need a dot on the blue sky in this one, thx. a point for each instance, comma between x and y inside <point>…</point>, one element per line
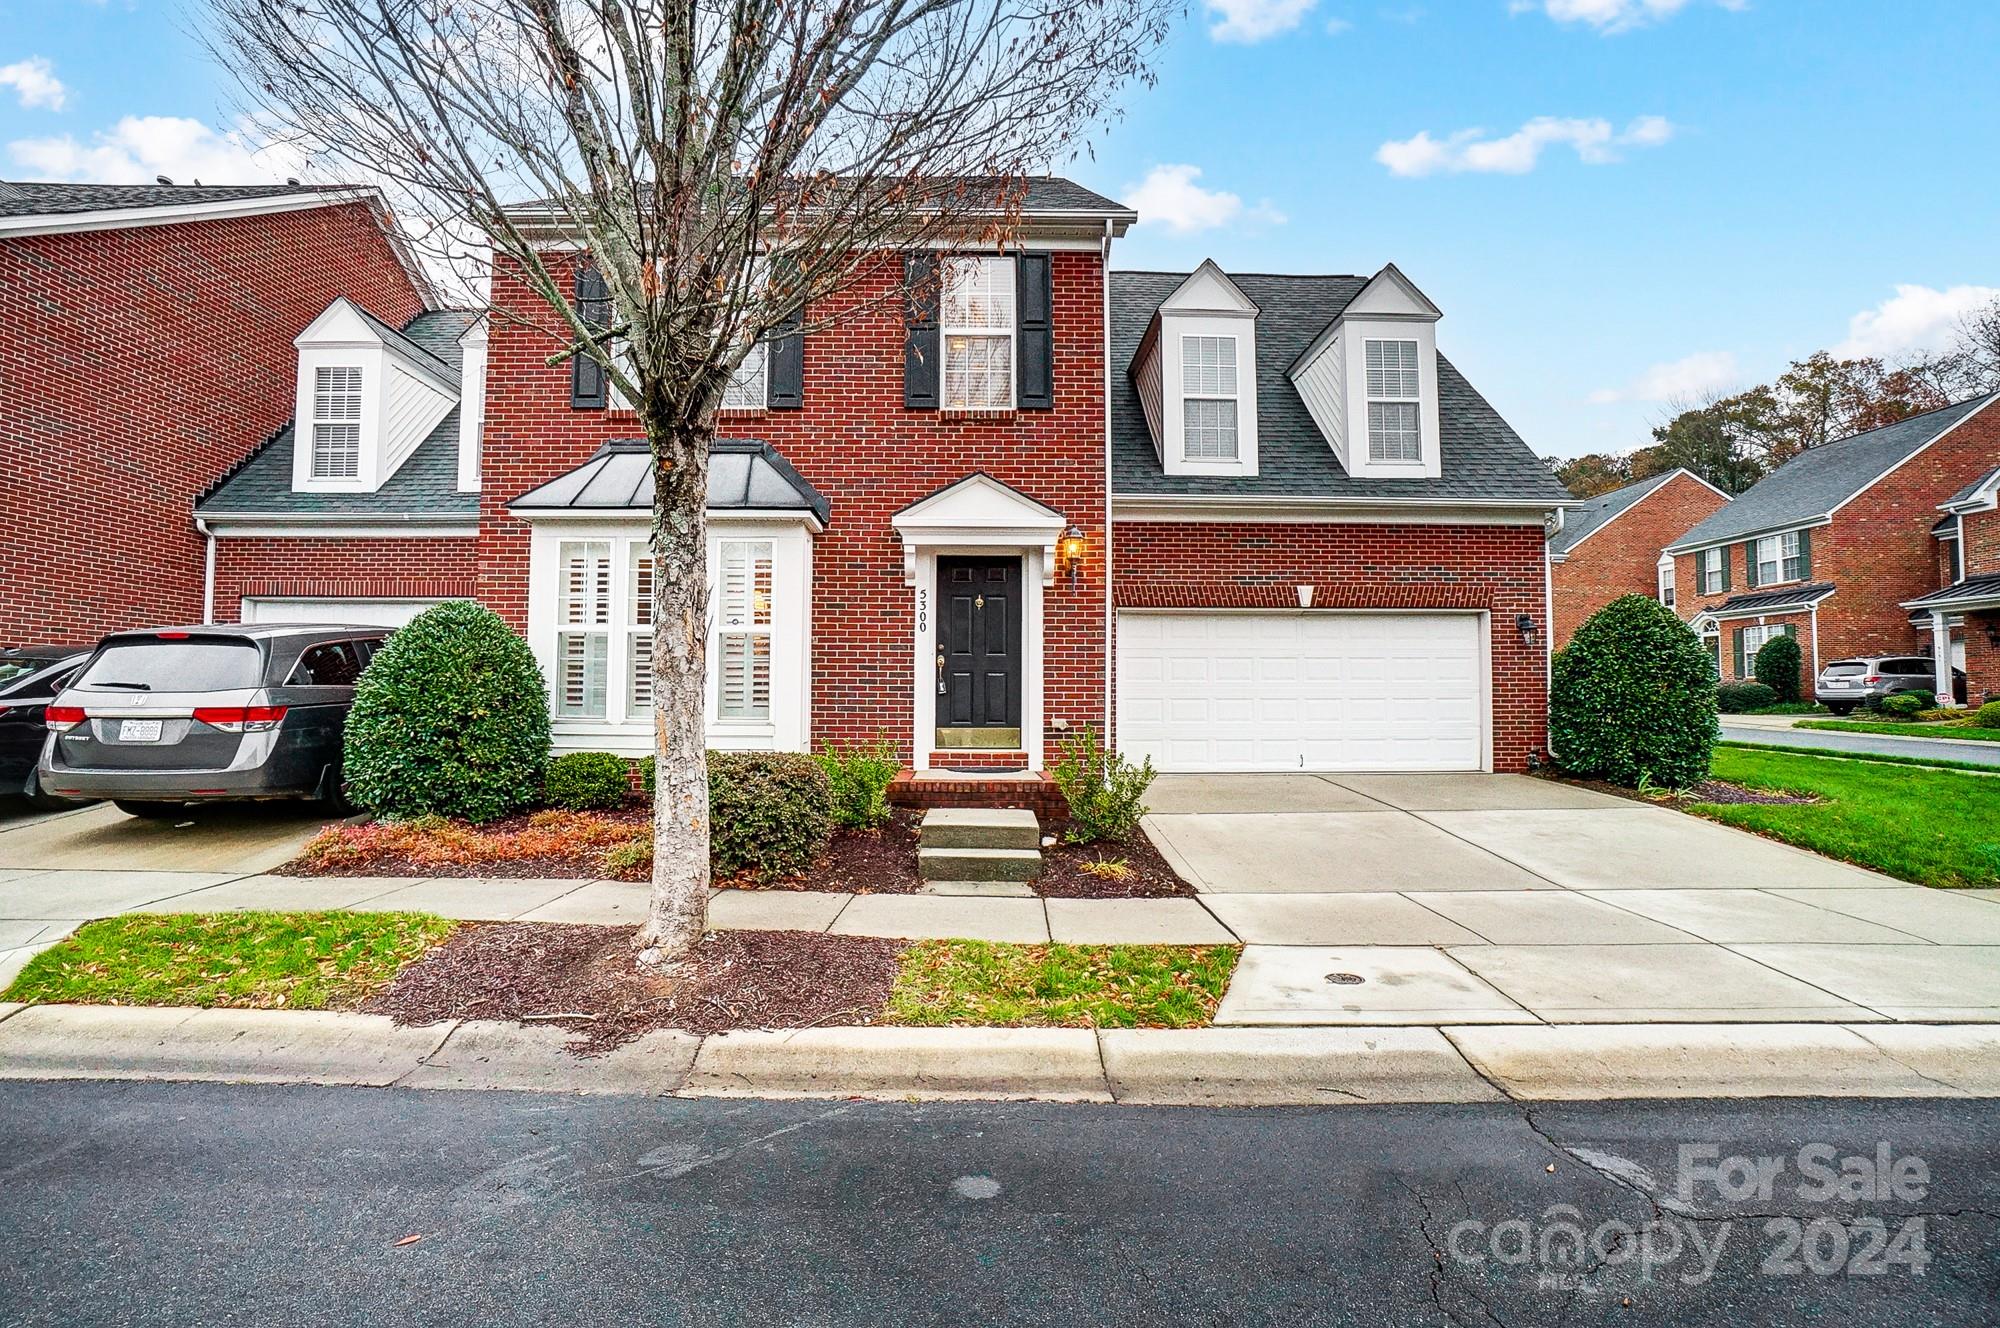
<point>1615,202</point>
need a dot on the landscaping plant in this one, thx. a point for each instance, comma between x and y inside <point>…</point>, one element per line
<point>1742,698</point>
<point>1987,716</point>
<point>588,781</point>
<point>1907,705</point>
<point>1777,666</point>
<point>451,718</point>
<point>1632,697</point>
<point>858,778</point>
<point>1106,793</point>
<point>770,813</point>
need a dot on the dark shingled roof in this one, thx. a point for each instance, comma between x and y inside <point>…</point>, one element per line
<point>426,484</point>
<point>1966,493</point>
<point>1983,587</point>
<point>1816,481</point>
<point>24,199</point>
<point>1483,456</point>
<point>1763,601</point>
<point>744,475</point>
<point>1581,521</point>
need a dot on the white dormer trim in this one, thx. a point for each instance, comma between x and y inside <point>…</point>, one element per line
<point>978,512</point>
<point>403,397</point>
<point>1207,304</point>
<point>471,403</point>
<point>1331,376</point>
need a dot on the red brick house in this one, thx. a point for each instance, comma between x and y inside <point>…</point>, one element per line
<point>145,334</point>
<point>1611,545</point>
<point>1250,524</point>
<point>1831,546</point>
<point>1966,603</point>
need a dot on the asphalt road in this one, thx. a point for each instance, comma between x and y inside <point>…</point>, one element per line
<point>155,1203</point>
<point>1885,744</point>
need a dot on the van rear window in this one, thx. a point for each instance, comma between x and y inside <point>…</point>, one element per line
<point>174,666</point>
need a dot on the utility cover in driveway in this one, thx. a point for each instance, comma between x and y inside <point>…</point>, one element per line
<point>1301,691</point>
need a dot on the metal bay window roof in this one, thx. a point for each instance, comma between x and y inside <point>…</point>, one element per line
<point>744,475</point>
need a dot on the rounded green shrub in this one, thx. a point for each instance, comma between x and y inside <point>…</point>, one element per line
<point>1987,716</point>
<point>451,718</point>
<point>1632,698</point>
<point>1906,705</point>
<point>587,781</point>
<point>646,775</point>
<point>1740,698</point>
<point>1777,666</point>
<point>770,814</point>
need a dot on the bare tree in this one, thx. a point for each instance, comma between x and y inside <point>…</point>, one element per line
<point>728,165</point>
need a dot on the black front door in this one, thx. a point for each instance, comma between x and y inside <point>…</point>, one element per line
<point>979,651</point>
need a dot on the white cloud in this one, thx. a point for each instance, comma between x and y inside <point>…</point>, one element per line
<point>1914,318</point>
<point>140,147</point>
<point>1170,196</point>
<point>34,81</point>
<point>1249,21</point>
<point>1594,141</point>
<point>1609,16</point>
<point>1687,378</point>
<point>1336,26</point>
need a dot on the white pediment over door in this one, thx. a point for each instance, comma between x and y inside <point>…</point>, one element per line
<point>978,512</point>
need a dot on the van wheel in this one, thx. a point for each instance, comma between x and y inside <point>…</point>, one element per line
<point>151,811</point>
<point>331,795</point>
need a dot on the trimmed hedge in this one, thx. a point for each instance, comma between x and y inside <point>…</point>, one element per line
<point>1907,705</point>
<point>1777,666</point>
<point>1632,698</point>
<point>451,718</point>
<point>1740,698</point>
<point>1987,716</point>
<point>770,814</point>
<point>588,781</point>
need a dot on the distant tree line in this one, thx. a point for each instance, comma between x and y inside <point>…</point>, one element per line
<point>1733,441</point>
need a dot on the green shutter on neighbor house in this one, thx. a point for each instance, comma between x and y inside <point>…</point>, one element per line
<point>1750,564</point>
<point>1724,551</point>
<point>1737,638</point>
<point>1805,555</point>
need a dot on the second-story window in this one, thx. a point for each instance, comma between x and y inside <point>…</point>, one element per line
<point>976,316</point>
<point>1667,584</point>
<point>748,388</point>
<point>1394,431</point>
<point>336,422</point>
<point>1709,563</point>
<point>1779,558</point>
<point>1208,398</point>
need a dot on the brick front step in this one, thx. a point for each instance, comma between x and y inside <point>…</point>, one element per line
<point>980,827</point>
<point>936,788</point>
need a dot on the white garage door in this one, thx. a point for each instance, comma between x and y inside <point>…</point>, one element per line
<point>1302,691</point>
<point>366,612</point>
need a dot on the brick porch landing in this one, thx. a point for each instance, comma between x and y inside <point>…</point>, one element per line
<point>1002,788</point>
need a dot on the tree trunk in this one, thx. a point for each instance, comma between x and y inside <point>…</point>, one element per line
<point>677,913</point>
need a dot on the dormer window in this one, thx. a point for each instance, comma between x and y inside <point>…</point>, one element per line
<point>1208,398</point>
<point>336,422</point>
<point>977,326</point>
<point>1395,431</point>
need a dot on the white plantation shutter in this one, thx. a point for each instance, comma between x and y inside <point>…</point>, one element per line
<point>583,601</point>
<point>336,422</point>
<point>639,646</point>
<point>641,658</point>
<point>581,667</point>
<point>743,642</point>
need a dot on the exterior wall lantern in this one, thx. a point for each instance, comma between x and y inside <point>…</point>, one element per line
<point>1069,551</point>
<point>1525,624</point>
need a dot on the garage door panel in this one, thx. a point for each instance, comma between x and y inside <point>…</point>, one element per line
<point>1313,691</point>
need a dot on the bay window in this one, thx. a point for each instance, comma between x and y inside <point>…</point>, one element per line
<point>976,326</point>
<point>1394,428</point>
<point>583,628</point>
<point>1208,398</point>
<point>639,614</point>
<point>742,645</point>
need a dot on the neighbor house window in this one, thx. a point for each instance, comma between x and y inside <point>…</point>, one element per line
<point>1393,430</point>
<point>336,422</point>
<point>743,631</point>
<point>638,616</point>
<point>1711,565</point>
<point>1667,584</point>
<point>1779,558</point>
<point>1208,398</point>
<point>1956,559</point>
<point>976,324</point>
<point>747,386</point>
<point>583,628</point>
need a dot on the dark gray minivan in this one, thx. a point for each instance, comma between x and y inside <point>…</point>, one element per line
<point>160,719</point>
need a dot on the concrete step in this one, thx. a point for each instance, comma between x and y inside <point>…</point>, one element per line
<point>980,827</point>
<point>979,864</point>
<point>983,889</point>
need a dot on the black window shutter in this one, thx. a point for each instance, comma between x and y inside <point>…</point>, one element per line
<point>587,385</point>
<point>786,384</point>
<point>1738,636</point>
<point>1034,335</point>
<point>920,333</point>
<point>1805,555</point>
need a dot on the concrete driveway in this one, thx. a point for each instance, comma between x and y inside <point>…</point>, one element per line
<point>1506,899</point>
<point>237,839</point>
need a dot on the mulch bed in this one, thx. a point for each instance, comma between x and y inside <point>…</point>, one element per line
<point>1709,790</point>
<point>583,979</point>
<point>585,861</point>
<point>863,862</point>
<point>1147,875</point>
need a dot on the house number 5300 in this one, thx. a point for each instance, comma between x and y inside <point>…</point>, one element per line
<point>923,610</point>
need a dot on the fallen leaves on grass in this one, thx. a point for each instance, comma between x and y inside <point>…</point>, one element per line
<point>1063,986</point>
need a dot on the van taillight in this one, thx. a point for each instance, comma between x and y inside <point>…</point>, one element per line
<point>240,719</point>
<point>61,719</point>
<point>1872,679</point>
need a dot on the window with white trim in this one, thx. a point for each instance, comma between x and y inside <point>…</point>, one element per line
<point>976,328</point>
<point>583,628</point>
<point>1208,398</point>
<point>638,616</point>
<point>336,422</point>
<point>1778,558</point>
<point>1709,562</point>
<point>1667,584</point>
<point>1395,431</point>
<point>743,631</point>
<point>749,386</point>
<point>1756,635</point>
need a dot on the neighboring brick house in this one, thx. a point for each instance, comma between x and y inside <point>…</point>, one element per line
<point>910,517</point>
<point>1829,546</point>
<point>1968,594</point>
<point>1611,545</point>
<point>146,345</point>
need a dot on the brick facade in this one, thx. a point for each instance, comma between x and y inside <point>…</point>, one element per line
<point>1623,556</point>
<point>1198,565</point>
<point>136,365</point>
<point>294,568</point>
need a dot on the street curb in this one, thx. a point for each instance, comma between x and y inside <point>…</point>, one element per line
<point>1216,1067</point>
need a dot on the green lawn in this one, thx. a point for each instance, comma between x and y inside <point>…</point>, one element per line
<point>1903,729</point>
<point>1934,827</point>
<point>251,961</point>
<point>1069,986</point>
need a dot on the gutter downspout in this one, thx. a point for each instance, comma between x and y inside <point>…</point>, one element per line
<point>1815,644</point>
<point>207,573</point>
<point>1110,609</point>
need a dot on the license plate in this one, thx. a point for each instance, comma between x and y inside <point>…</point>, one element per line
<point>139,730</point>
